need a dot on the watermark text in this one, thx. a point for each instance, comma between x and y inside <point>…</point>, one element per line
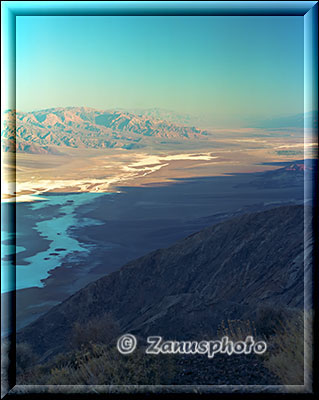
<point>157,345</point>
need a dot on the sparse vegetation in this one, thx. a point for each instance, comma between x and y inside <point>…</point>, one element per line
<point>286,360</point>
<point>98,364</point>
<point>269,319</point>
<point>284,334</point>
<point>25,358</point>
<point>101,365</point>
<point>99,330</point>
<point>237,329</point>
<point>94,360</point>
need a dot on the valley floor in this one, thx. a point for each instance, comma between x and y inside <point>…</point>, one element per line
<point>141,219</point>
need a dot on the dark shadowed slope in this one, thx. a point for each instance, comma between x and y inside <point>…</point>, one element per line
<point>226,271</point>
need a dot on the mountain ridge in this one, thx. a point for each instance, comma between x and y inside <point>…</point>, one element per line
<point>225,271</point>
<point>84,127</point>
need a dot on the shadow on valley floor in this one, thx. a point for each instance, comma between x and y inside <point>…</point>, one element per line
<point>141,219</point>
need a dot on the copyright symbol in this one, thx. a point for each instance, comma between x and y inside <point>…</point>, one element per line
<point>126,344</point>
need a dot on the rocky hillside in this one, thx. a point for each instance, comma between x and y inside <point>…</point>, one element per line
<point>227,271</point>
<point>292,174</point>
<point>82,127</point>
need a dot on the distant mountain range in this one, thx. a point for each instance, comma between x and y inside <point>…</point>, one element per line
<point>166,115</point>
<point>302,120</point>
<point>51,130</point>
<point>230,270</point>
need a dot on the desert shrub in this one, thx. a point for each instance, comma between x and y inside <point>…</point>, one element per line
<point>287,360</point>
<point>93,359</point>
<point>36,375</point>
<point>265,322</point>
<point>236,329</point>
<point>104,365</point>
<point>268,320</point>
<point>39,374</point>
<point>101,330</point>
<point>25,358</point>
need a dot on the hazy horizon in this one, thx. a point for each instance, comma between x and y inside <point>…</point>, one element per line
<point>224,70</point>
<point>286,121</point>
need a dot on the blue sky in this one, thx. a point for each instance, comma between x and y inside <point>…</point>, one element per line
<point>228,70</point>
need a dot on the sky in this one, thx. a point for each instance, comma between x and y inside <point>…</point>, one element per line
<point>228,70</point>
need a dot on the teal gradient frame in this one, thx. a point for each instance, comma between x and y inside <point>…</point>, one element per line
<point>307,9</point>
